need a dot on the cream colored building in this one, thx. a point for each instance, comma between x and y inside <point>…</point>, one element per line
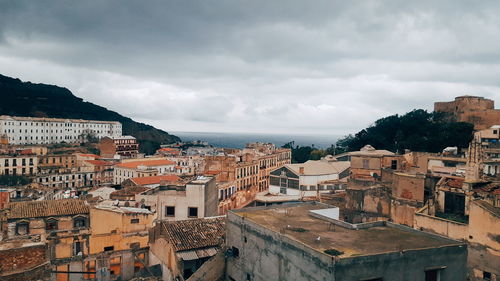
<point>18,164</point>
<point>193,198</point>
<point>307,179</point>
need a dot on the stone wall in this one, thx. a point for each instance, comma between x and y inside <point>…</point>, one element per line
<point>22,259</point>
<point>476,110</point>
<point>211,270</point>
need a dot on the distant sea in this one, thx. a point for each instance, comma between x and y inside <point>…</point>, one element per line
<point>238,140</point>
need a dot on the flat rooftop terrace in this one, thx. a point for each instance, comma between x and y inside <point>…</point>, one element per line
<point>295,222</point>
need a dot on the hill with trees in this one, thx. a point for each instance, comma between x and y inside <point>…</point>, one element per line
<point>40,100</point>
<point>417,130</point>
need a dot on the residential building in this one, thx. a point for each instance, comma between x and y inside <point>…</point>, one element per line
<point>246,170</point>
<point>479,227</point>
<point>19,164</point>
<point>65,180</point>
<point>56,162</point>
<point>102,170</point>
<point>118,242</point>
<point>182,247</point>
<point>56,232</point>
<point>142,168</point>
<point>308,241</point>
<point>310,178</point>
<point>368,162</point>
<point>34,130</point>
<point>119,147</point>
<point>194,197</point>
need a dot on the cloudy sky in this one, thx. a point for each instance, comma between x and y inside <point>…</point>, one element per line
<point>318,67</point>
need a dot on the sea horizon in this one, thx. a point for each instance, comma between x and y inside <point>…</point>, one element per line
<point>238,140</point>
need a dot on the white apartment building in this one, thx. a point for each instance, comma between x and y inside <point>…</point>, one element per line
<point>33,130</point>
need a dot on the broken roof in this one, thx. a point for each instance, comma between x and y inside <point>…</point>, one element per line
<point>194,233</point>
<point>46,208</point>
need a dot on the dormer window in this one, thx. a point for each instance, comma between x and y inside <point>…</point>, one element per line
<point>22,228</point>
<point>79,222</point>
<point>51,224</point>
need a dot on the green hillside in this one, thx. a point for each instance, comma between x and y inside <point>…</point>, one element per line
<point>40,100</point>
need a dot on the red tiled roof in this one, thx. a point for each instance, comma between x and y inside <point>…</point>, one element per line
<point>26,152</point>
<point>148,163</point>
<point>455,183</point>
<point>194,233</point>
<point>155,179</point>
<point>47,208</point>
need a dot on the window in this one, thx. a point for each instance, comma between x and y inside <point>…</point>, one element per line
<point>193,212</point>
<point>51,224</point>
<point>433,275</point>
<point>22,228</point>
<point>487,276</point>
<point>394,164</point>
<point>109,248</point>
<point>366,163</point>
<point>77,248</point>
<point>170,211</point>
<point>79,222</point>
<point>235,252</point>
<point>134,221</point>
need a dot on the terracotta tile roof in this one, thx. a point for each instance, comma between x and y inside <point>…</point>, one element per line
<point>47,208</point>
<point>155,179</point>
<point>147,163</point>
<point>25,152</point>
<point>194,233</point>
<point>455,183</point>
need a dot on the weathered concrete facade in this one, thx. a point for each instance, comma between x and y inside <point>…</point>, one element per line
<point>265,246</point>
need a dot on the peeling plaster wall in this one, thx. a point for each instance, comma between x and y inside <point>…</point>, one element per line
<point>267,255</point>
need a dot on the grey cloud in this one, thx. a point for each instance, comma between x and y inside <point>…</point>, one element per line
<point>261,65</point>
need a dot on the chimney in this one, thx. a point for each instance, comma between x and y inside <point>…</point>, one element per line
<point>301,170</point>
